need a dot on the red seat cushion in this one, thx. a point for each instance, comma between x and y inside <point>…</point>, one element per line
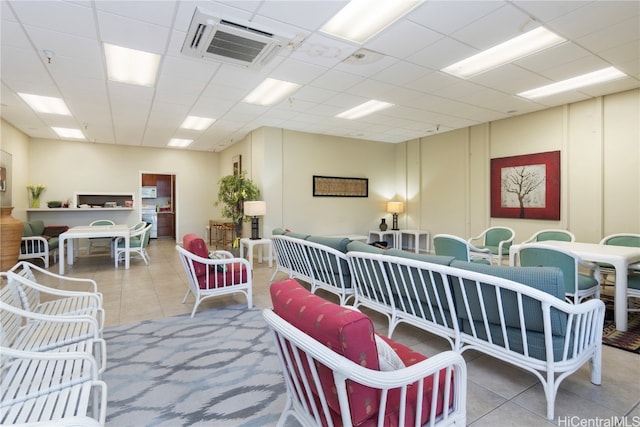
<point>234,273</point>
<point>350,334</point>
<point>195,244</point>
<point>347,332</point>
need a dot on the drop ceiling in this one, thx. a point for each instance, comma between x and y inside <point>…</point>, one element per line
<point>55,48</point>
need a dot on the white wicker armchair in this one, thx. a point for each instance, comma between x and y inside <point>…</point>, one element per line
<point>212,277</point>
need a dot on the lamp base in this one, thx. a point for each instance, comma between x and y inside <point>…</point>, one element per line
<point>394,226</point>
<point>255,235</point>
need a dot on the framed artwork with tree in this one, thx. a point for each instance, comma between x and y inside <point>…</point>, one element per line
<point>526,186</point>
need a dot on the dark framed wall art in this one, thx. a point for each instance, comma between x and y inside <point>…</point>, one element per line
<point>5,178</point>
<point>237,164</point>
<point>334,186</point>
<point>526,186</point>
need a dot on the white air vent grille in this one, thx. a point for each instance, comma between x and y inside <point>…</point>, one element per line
<point>226,41</point>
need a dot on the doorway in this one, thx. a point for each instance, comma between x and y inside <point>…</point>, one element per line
<point>161,199</point>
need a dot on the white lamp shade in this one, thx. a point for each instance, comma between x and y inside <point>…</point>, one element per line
<point>255,208</point>
<point>395,207</point>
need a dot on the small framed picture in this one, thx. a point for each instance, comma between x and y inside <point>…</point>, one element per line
<point>237,164</point>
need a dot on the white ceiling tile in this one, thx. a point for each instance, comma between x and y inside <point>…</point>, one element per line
<point>449,18</point>
<point>57,16</point>
<point>499,26</point>
<point>401,73</point>
<point>310,15</point>
<point>393,42</point>
<point>154,12</point>
<point>299,72</point>
<point>131,33</point>
<point>412,51</point>
<point>441,54</point>
<point>595,16</point>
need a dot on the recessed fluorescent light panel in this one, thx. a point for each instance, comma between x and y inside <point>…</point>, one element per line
<point>69,133</point>
<point>509,51</point>
<point>360,20</point>
<point>271,91</point>
<point>131,66</point>
<point>600,76</point>
<point>365,109</point>
<point>46,104</point>
<point>196,123</point>
<point>176,142</point>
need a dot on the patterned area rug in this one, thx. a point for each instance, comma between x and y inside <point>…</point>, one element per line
<point>630,340</point>
<point>217,369</point>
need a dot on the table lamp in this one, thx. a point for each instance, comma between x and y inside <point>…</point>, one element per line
<point>395,208</point>
<point>255,209</point>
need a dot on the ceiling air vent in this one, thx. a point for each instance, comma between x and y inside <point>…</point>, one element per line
<point>232,42</point>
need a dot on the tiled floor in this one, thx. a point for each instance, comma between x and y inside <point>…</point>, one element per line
<point>498,393</point>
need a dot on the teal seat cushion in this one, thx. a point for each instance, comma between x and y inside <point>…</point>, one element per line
<point>418,292</point>
<point>337,243</point>
<point>494,237</point>
<point>53,243</point>
<point>37,227</point>
<point>326,264</point>
<point>631,241</point>
<point>433,259</point>
<point>546,279</point>
<point>535,340</point>
<point>553,235</point>
<point>296,235</point>
<point>358,246</point>
<point>26,229</point>
<point>278,232</point>
<point>586,282</point>
<point>133,242</point>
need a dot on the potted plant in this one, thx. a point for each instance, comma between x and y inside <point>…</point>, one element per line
<point>234,190</point>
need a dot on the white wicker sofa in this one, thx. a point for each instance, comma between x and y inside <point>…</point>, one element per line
<point>516,314</point>
<point>318,260</point>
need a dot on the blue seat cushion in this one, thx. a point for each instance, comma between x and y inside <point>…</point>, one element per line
<point>535,340</point>
<point>546,279</point>
<point>358,246</point>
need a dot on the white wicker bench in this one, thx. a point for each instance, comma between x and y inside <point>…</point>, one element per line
<point>37,297</point>
<point>49,388</point>
<point>473,308</point>
<point>322,266</point>
<point>50,365</point>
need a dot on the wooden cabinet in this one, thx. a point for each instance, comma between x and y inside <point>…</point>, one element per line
<point>164,184</point>
<point>166,226</point>
<point>149,179</point>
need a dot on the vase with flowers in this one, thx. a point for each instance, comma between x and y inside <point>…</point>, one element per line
<point>35,190</point>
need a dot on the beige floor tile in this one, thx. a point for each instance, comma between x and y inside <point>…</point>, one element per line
<point>498,394</point>
<point>501,378</point>
<point>480,401</point>
<point>510,414</point>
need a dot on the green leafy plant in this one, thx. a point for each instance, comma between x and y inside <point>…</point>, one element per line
<point>233,191</point>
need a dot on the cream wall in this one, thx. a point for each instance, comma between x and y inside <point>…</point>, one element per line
<point>443,178</point>
<point>289,159</point>
<point>66,167</point>
<point>16,143</point>
<point>599,140</point>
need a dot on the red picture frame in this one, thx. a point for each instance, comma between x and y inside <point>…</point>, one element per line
<point>526,186</point>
